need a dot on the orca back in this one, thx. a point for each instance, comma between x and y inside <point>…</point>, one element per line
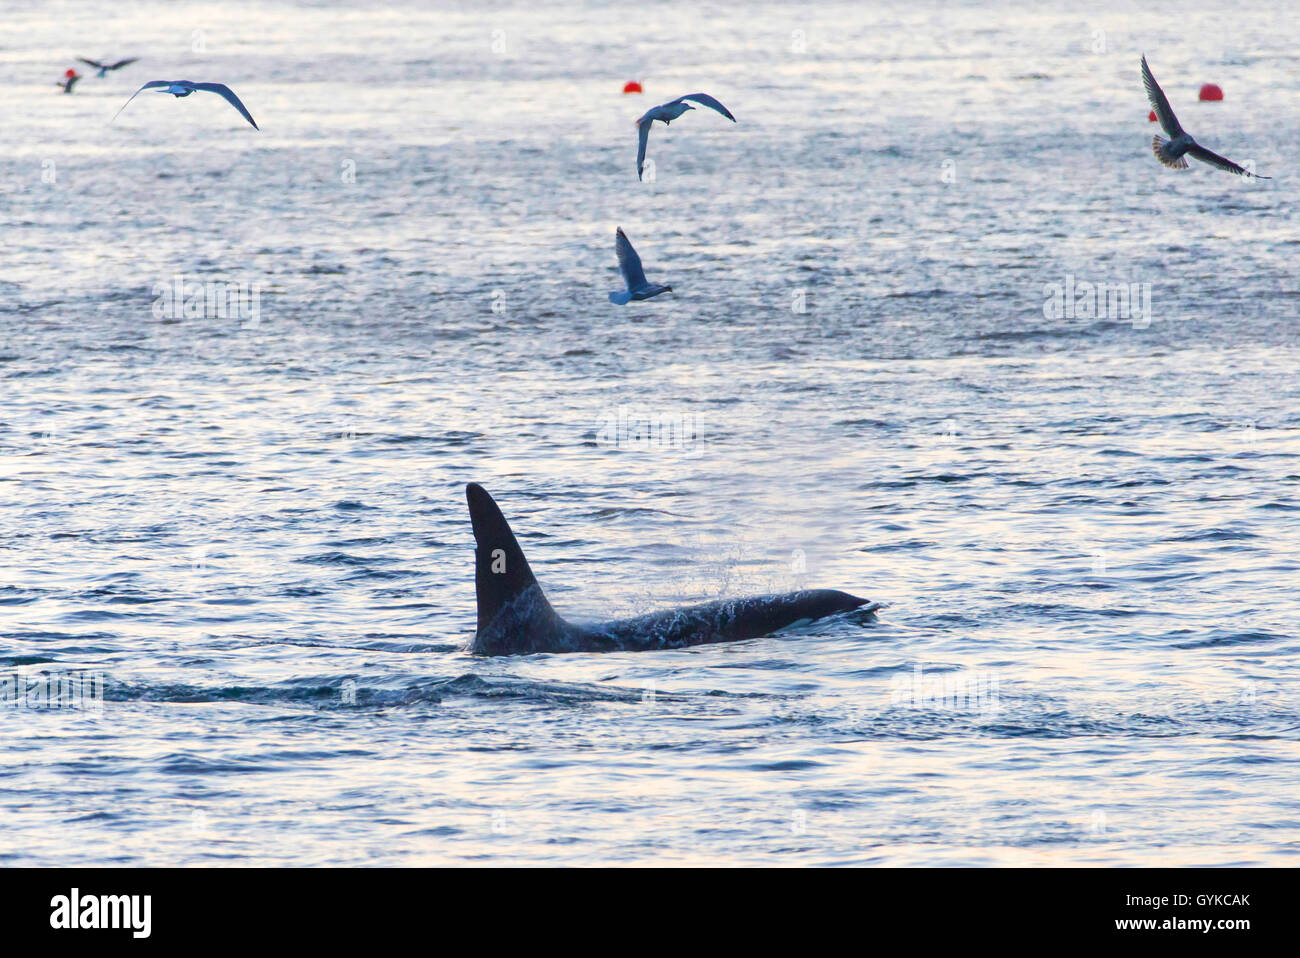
<point>515,618</point>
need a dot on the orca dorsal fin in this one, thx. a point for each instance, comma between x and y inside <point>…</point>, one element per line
<point>501,573</point>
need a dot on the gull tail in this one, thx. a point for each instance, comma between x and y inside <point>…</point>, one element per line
<point>620,299</point>
<point>1160,147</point>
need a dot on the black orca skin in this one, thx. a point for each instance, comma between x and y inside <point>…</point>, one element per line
<point>515,618</point>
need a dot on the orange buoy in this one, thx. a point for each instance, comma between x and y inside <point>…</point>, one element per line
<point>1151,116</point>
<point>631,86</point>
<point>1211,91</point>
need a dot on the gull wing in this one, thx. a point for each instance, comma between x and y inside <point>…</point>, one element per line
<point>1159,102</point>
<point>94,63</point>
<point>629,263</point>
<point>643,131</point>
<point>151,85</point>
<point>1222,162</point>
<point>121,63</point>
<point>705,100</point>
<point>224,91</point>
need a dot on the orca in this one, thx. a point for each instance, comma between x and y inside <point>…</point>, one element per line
<point>515,618</point>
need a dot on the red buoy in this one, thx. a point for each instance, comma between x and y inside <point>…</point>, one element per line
<point>69,74</point>
<point>1211,91</point>
<point>631,86</point>
<point>1151,116</point>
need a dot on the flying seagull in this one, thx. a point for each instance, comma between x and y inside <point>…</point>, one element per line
<point>629,264</point>
<point>1170,152</point>
<point>668,112</point>
<point>180,88</point>
<point>103,68</point>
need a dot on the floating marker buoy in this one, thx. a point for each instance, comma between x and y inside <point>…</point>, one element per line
<point>1211,91</point>
<point>1151,116</point>
<point>69,74</point>
<point>631,86</point>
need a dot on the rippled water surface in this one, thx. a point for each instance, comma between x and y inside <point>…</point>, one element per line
<point>253,524</point>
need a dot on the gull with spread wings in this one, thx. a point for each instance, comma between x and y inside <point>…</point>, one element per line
<point>629,264</point>
<point>179,88</point>
<point>667,112</point>
<point>1173,152</point>
<point>103,68</point>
